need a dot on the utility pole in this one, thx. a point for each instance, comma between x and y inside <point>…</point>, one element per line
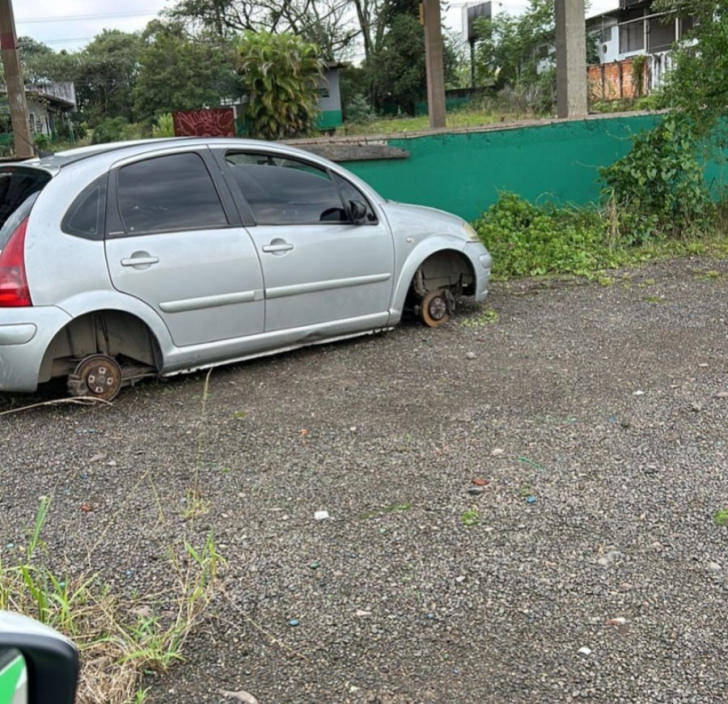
<point>14,82</point>
<point>435,65</point>
<point>571,80</point>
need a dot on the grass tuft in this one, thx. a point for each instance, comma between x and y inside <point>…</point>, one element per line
<point>120,637</point>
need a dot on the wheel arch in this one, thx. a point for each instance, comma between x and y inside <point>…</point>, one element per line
<point>117,333</point>
<point>441,253</point>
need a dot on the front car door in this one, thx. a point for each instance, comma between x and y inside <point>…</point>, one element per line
<point>319,266</point>
<point>172,243</point>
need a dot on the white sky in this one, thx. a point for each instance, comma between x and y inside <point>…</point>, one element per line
<point>69,24</point>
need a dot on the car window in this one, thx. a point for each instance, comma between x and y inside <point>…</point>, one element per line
<point>85,217</point>
<point>17,186</point>
<point>282,191</point>
<point>172,192</point>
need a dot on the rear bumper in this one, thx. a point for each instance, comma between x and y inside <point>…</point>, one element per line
<point>482,263</point>
<point>25,334</point>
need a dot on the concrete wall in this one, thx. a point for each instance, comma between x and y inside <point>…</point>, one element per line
<point>462,172</point>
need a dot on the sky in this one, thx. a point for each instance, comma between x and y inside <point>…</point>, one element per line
<point>71,24</point>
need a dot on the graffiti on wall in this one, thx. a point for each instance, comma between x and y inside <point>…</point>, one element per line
<point>216,122</point>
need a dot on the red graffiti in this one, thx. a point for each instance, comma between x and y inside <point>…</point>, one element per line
<point>219,122</point>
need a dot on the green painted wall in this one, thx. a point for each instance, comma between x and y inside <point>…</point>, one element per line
<point>329,119</point>
<point>463,172</point>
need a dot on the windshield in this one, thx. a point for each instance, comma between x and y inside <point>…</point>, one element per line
<point>19,188</point>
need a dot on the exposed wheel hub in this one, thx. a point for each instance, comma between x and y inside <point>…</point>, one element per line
<point>98,376</point>
<point>436,308</point>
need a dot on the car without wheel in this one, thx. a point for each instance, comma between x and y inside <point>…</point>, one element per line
<point>158,257</point>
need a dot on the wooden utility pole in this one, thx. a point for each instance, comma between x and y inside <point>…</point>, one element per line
<point>571,80</point>
<point>435,64</point>
<point>14,82</point>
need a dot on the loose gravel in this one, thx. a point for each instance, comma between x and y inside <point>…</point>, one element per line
<point>588,567</point>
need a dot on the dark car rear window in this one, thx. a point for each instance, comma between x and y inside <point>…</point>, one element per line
<point>17,185</point>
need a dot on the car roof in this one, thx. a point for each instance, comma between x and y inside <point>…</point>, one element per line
<point>54,162</point>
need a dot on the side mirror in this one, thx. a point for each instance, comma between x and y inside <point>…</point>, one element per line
<point>37,665</point>
<point>357,211</point>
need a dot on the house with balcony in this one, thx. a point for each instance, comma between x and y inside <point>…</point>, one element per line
<point>633,29</point>
<point>49,106</point>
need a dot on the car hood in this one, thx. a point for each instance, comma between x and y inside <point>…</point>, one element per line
<point>418,219</point>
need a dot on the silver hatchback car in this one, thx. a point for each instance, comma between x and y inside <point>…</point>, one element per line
<point>159,257</point>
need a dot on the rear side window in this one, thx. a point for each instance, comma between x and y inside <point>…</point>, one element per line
<point>17,186</point>
<point>85,217</point>
<point>167,193</point>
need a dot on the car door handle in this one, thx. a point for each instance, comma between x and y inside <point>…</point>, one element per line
<point>279,247</point>
<point>145,261</point>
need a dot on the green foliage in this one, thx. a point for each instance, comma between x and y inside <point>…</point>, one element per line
<point>281,73</point>
<point>358,111</point>
<point>116,129</point>
<point>397,72</point>
<point>510,47</point>
<point>470,517</point>
<point>326,23</point>
<point>659,184</point>
<point>721,517</point>
<point>534,240</point>
<point>353,82</point>
<point>105,73</point>
<point>698,84</point>
<point>638,73</point>
<point>42,142</point>
<point>164,126</point>
<point>398,69</point>
<point>178,71</point>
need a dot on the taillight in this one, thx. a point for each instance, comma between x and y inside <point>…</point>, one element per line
<point>14,291</point>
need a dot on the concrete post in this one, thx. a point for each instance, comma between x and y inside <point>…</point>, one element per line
<point>571,78</point>
<point>14,82</point>
<point>435,64</point>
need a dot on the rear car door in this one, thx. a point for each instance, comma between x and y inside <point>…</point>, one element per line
<point>175,241</point>
<point>318,265</point>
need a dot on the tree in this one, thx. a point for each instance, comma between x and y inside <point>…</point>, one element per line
<point>698,84</point>
<point>510,49</point>
<point>41,64</point>
<point>323,22</point>
<point>397,71</point>
<point>281,73</point>
<point>178,71</point>
<point>106,72</point>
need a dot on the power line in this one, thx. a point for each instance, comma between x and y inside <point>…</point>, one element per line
<point>84,18</point>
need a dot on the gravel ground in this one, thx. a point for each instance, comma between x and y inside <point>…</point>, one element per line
<point>597,415</point>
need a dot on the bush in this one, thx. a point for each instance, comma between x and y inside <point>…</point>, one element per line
<point>358,111</point>
<point>659,183</point>
<point>532,240</point>
<point>164,126</point>
<point>281,74</point>
<point>118,129</point>
<point>42,142</point>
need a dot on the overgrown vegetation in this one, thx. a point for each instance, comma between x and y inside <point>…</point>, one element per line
<point>281,72</point>
<point>533,240</point>
<point>517,52</point>
<point>659,184</point>
<point>528,239</point>
<point>120,636</point>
